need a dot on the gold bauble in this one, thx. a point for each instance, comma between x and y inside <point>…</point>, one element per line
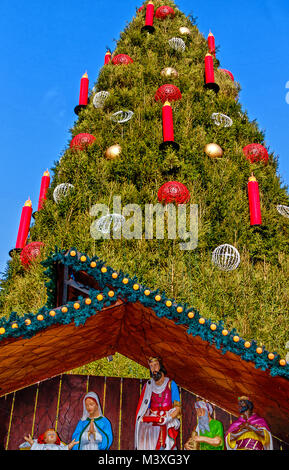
<point>113,152</point>
<point>169,72</point>
<point>214,151</point>
<point>185,30</point>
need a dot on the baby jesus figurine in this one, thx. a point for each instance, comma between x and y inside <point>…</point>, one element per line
<point>49,440</point>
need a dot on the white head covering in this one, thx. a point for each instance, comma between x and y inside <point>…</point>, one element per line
<point>204,421</point>
<point>205,405</point>
<point>93,395</point>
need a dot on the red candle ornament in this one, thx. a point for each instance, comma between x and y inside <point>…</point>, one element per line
<point>84,84</point>
<point>212,44</point>
<point>149,20</point>
<point>24,225</point>
<point>209,69</point>
<point>83,94</point>
<point>168,127</point>
<point>210,74</point>
<point>45,182</point>
<point>254,202</point>
<point>107,58</point>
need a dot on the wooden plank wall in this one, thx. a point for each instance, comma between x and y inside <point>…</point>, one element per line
<point>57,403</point>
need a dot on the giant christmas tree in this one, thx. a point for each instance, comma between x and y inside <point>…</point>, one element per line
<point>125,160</point>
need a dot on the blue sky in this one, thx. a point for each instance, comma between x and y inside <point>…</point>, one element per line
<point>47,46</point>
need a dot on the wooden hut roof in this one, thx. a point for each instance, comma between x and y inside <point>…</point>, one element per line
<point>94,312</point>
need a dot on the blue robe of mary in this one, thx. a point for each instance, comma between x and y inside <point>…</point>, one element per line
<point>102,426</point>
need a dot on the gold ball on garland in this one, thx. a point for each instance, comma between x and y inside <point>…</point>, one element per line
<point>113,152</point>
<point>214,151</point>
<point>225,332</point>
<point>158,298</point>
<point>93,264</point>
<point>247,344</point>
<point>114,275</point>
<point>88,301</point>
<point>271,356</point>
<point>83,259</point>
<point>103,270</point>
<point>185,30</point>
<point>236,339</point>
<point>111,293</point>
<point>52,313</point>
<point>14,326</point>
<point>282,362</point>
<point>147,292</point>
<point>40,317</point>
<point>191,315</point>
<point>99,297</point>
<point>64,310</point>
<point>259,350</point>
<point>2,331</point>
<point>169,303</point>
<point>125,280</point>
<point>202,321</point>
<point>27,322</point>
<point>135,287</point>
<point>179,309</point>
<point>169,72</point>
<point>213,327</point>
<point>77,306</point>
<point>73,253</point>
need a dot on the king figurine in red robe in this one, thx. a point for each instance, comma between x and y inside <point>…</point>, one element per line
<point>157,417</point>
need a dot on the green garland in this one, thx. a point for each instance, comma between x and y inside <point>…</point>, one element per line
<point>16,326</point>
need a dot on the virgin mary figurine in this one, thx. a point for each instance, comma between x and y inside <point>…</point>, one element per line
<point>93,431</point>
